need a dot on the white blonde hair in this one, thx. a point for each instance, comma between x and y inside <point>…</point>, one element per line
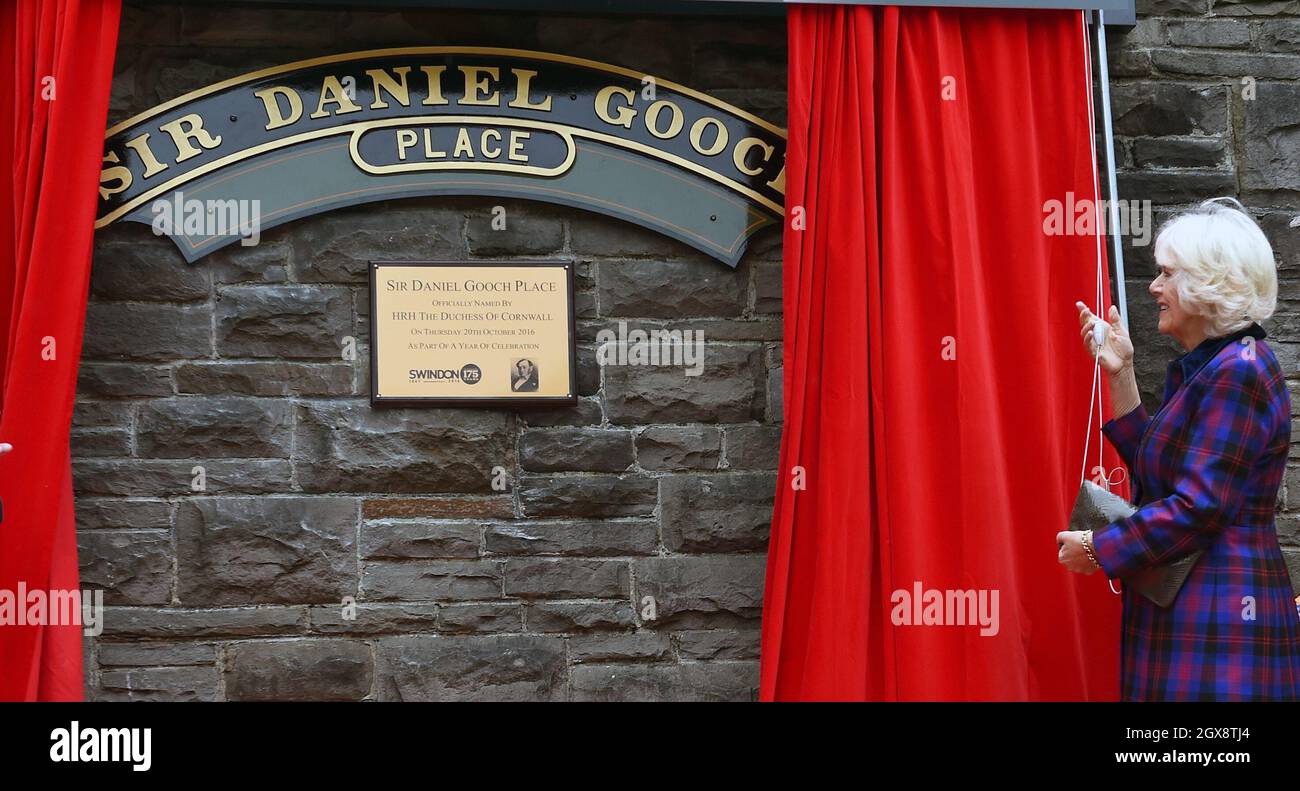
<point>1223,265</point>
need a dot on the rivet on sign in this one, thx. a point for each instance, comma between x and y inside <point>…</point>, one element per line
<point>234,118</point>
<point>713,218</point>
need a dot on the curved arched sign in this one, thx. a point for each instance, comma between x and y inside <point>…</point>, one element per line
<point>319,134</point>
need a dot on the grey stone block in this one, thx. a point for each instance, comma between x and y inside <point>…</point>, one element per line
<point>568,449</point>
<point>283,321</point>
<point>265,378</point>
<point>1155,109</point>
<point>1176,187</point>
<point>565,616</point>
<point>123,380</point>
<point>729,390</point>
<point>588,496</point>
<point>366,619</point>
<point>565,578</point>
<point>1209,33</point>
<point>130,566</point>
<point>174,684</point>
<point>131,331</point>
<point>607,330</point>
<point>265,262</point>
<point>86,443</point>
<point>584,413</point>
<point>1280,36</point>
<point>632,647</point>
<point>1175,153</point>
<point>703,591</point>
<point>435,580</point>
<point>169,478</point>
<point>670,289</point>
<point>1252,8</point>
<point>97,514</point>
<point>1272,136</point>
<point>337,247</point>
<point>720,681</point>
<point>654,43</point>
<point>174,623</point>
<point>309,669</point>
<point>101,414</point>
<point>1233,65</point>
<point>1172,7</point>
<point>214,427</point>
<point>768,288</point>
<point>139,654</point>
<point>344,446</point>
<point>145,267</point>
<point>486,668</point>
<point>679,448</point>
<point>529,229</point>
<point>423,539</point>
<point>485,618</point>
<point>1285,241</point>
<point>753,447</point>
<point>581,538</point>
<point>719,644</point>
<point>281,550</point>
<point>722,513</point>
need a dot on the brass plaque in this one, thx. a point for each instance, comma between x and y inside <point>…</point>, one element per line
<point>472,334</point>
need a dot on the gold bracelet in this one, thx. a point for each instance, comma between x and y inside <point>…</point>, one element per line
<point>1087,547</point>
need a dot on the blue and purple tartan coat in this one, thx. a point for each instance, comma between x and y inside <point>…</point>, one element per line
<point>1205,473</point>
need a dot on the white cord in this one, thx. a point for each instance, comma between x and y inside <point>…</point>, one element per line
<point>1094,392</point>
<point>1092,400</point>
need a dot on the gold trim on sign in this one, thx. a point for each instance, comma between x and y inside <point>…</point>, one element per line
<point>427,120</point>
<point>758,221</point>
<point>392,52</point>
<point>471,183</point>
<point>285,142</point>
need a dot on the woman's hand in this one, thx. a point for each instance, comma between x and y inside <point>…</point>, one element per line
<point>1072,555</point>
<point>1116,349</point>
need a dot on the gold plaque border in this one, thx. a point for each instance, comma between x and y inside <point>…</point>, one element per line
<point>377,400</point>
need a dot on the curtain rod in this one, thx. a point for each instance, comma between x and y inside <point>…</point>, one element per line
<point>1118,12</point>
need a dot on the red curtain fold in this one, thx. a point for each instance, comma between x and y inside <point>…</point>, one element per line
<point>59,58</point>
<point>936,389</point>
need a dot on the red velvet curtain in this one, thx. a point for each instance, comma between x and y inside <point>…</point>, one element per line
<point>58,59</point>
<point>936,389</point>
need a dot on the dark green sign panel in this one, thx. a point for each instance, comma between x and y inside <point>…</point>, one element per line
<point>311,136</point>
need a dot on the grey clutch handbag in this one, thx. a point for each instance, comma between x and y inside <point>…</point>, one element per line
<point>1095,508</point>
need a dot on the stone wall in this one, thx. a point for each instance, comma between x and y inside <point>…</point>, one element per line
<point>1206,102</point>
<point>655,485</point>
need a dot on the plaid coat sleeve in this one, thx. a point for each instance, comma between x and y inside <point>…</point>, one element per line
<point>1125,433</point>
<point>1228,432</point>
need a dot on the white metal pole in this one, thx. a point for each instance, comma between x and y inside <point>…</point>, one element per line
<point>1117,247</point>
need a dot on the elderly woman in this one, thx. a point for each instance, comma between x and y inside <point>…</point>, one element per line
<point>1205,471</point>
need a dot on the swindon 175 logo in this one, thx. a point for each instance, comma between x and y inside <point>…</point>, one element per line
<point>469,374</point>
